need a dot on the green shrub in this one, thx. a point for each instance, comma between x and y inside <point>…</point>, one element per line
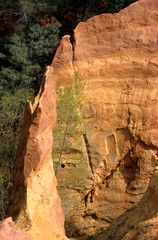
<point>70,119</point>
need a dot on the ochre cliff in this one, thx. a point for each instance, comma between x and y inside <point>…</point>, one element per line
<point>35,205</point>
<point>118,56</point>
<point>139,222</point>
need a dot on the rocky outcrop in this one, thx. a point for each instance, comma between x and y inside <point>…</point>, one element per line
<point>35,204</point>
<point>9,230</point>
<point>117,55</point>
<point>139,222</point>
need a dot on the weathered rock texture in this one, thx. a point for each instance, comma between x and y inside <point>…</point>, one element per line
<point>118,56</point>
<point>35,204</point>
<point>139,222</point>
<point>9,231</point>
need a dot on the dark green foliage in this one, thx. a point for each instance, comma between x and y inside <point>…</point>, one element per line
<point>25,55</point>
<point>8,4</point>
<point>117,5</point>
<point>28,10</point>
<point>113,5</point>
<point>77,3</point>
<point>35,6</point>
<point>11,115</point>
<point>43,42</point>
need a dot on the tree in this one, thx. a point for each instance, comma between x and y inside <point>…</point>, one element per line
<point>27,10</point>
<point>117,5</point>
<point>24,56</point>
<point>70,119</point>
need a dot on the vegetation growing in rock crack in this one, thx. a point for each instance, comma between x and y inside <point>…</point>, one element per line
<point>70,120</point>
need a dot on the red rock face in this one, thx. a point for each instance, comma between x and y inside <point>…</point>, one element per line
<point>35,204</point>
<point>9,230</point>
<point>118,56</point>
<point>62,63</point>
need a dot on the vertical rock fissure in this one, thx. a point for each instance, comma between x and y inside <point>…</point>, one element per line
<point>73,42</point>
<point>88,153</point>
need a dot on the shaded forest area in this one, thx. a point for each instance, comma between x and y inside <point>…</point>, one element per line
<point>30,32</point>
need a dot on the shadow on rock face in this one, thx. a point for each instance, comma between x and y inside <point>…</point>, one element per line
<point>138,222</point>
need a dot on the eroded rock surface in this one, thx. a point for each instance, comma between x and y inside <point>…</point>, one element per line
<point>139,222</point>
<point>118,56</point>
<point>35,205</point>
<point>9,231</point>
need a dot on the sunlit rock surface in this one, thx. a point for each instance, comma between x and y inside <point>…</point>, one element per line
<point>118,56</point>
<point>35,205</point>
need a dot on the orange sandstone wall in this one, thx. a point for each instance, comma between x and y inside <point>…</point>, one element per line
<point>139,222</point>
<point>118,56</point>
